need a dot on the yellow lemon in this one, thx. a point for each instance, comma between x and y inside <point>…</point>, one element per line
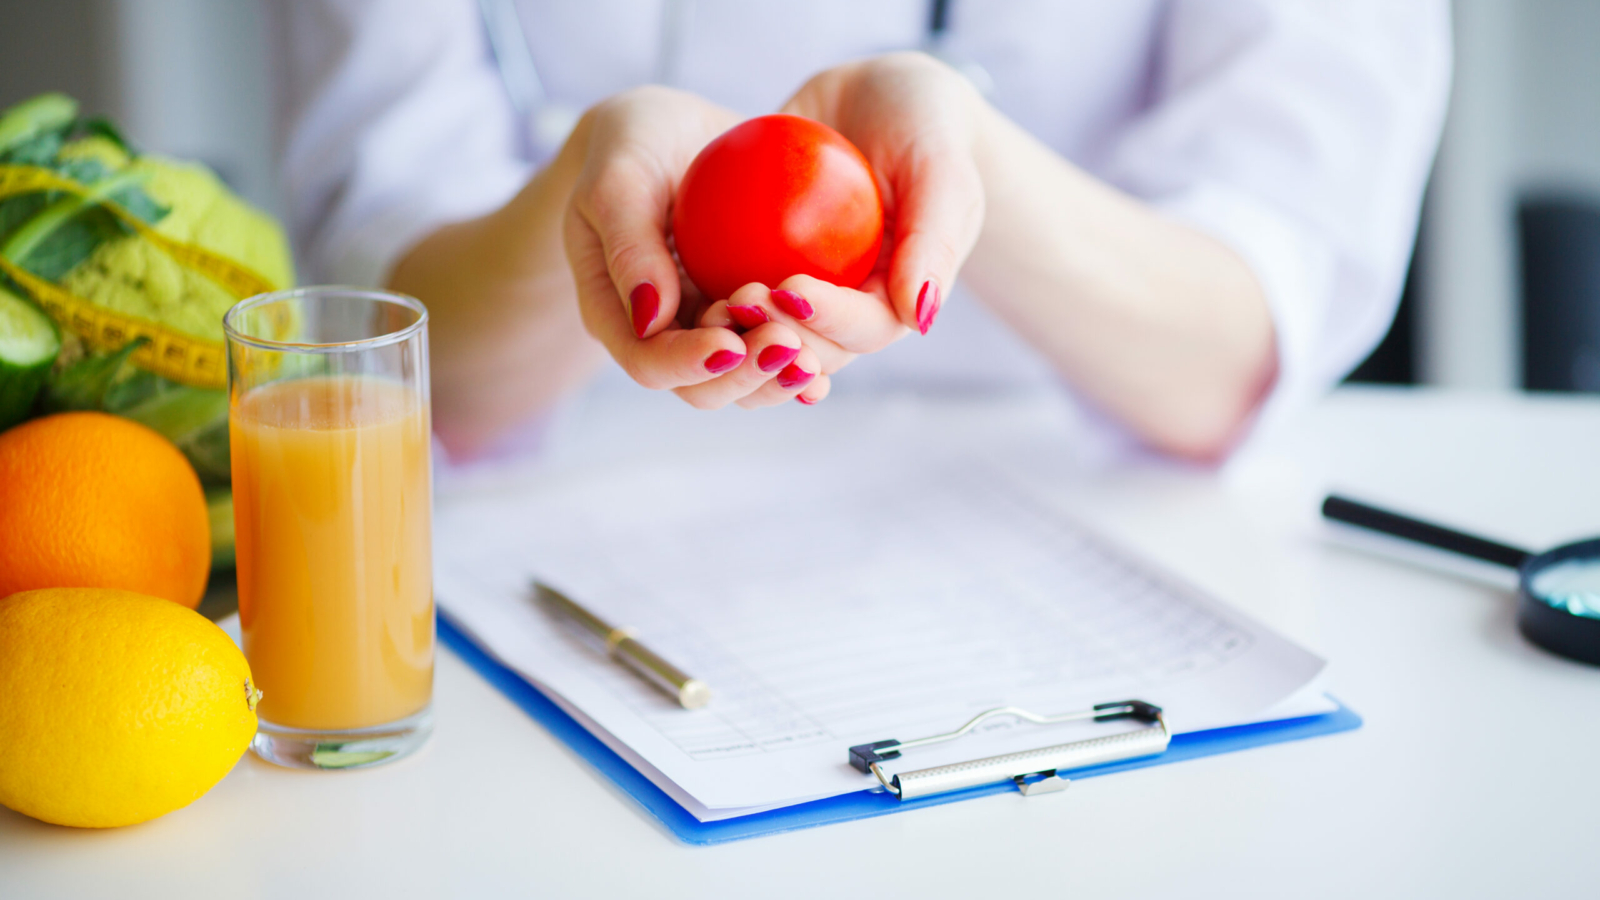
<point>115,707</point>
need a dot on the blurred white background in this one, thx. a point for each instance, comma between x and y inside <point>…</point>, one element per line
<point>191,78</point>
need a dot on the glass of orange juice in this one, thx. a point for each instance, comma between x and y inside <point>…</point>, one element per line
<point>332,494</point>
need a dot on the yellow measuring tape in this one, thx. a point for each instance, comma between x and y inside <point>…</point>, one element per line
<point>169,353</point>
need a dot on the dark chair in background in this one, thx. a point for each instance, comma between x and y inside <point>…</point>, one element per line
<point>1560,237</point>
<point>1394,360</point>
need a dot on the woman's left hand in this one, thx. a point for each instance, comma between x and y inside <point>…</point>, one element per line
<point>917,122</point>
<point>915,119</point>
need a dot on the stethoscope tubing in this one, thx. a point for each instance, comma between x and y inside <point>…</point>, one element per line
<point>551,120</point>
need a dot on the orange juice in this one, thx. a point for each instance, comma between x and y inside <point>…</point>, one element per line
<point>333,514</point>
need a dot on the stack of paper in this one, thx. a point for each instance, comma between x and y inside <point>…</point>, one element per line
<point>867,590</point>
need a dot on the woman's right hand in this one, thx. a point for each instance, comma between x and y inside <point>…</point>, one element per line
<point>632,296</point>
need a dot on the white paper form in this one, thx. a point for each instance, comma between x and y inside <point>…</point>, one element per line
<point>865,594</point>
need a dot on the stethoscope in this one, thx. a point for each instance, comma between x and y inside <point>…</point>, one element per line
<point>550,121</point>
<point>1558,591</point>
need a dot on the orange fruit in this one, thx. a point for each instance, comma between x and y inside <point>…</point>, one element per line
<point>90,500</point>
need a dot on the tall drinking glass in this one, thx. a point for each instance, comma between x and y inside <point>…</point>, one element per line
<point>332,494</point>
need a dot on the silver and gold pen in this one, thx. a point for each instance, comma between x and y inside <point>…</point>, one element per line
<point>691,693</point>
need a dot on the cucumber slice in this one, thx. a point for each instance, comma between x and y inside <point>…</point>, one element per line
<point>219,509</point>
<point>45,112</point>
<point>29,343</point>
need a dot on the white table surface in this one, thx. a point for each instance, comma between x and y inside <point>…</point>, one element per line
<point>1475,775</point>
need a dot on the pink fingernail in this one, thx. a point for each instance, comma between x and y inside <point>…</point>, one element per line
<point>927,306</point>
<point>793,304</point>
<point>802,399</point>
<point>723,360</point>
<point>644,303</point>
<point>749,316</point>
<point>794,377</point>
<point>776,357</point>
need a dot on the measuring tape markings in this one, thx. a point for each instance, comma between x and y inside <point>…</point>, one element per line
<point>170,353</point>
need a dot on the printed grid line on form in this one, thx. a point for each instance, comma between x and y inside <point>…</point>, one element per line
<point>877,620</point>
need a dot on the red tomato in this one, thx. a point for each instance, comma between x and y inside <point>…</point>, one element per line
<point>773,197</point>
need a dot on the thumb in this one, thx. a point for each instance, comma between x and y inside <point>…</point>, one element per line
<point>626,206</point>
<point>939,207</point>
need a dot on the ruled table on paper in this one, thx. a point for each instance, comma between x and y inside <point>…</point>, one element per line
<point>850,600</point>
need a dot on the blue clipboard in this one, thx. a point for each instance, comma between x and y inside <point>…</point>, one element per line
<point>847,806</point>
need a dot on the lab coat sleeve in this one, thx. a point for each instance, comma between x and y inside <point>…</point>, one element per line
<point>394,123</point>
<point>1300,133</point>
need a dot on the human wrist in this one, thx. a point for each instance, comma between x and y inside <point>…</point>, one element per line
<point>994,150</point>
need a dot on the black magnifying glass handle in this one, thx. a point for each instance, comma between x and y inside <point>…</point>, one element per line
<point>1361,515</point>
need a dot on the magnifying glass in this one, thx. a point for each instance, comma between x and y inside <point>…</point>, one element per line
<point>1558,591</point>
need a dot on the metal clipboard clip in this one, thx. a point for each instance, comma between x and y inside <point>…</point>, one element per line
<point>1022,767</point>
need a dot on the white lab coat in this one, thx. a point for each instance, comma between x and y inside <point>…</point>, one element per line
<point>1299,132</point>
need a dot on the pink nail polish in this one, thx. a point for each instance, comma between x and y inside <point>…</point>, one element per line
<point>794,377</point>
<point>644,303</point>
<point>776,357</point>
<point>927,306</point>
<point>722,361</point>
<point>793,304</point>
<point>749,316</point>
<point>802,399</point>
